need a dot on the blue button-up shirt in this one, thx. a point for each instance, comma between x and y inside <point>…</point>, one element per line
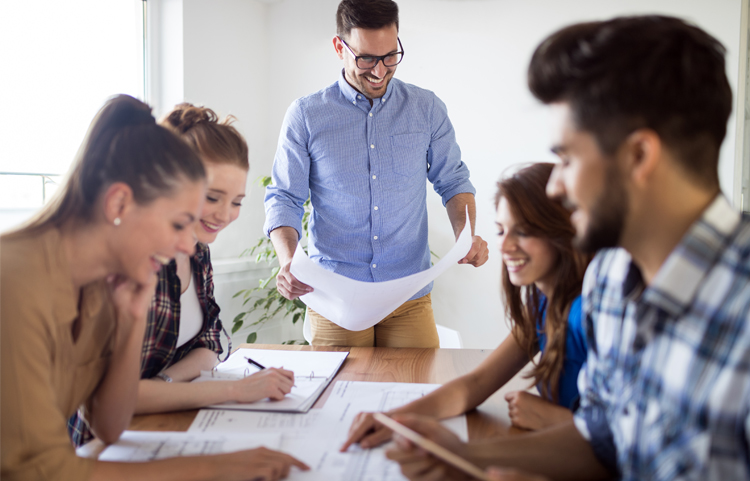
<point>365,169</point>
<point>665,393</point>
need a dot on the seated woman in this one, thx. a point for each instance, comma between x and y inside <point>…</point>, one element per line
<point>183,330</point>
<point>76,283</point>
<point>541,282</point>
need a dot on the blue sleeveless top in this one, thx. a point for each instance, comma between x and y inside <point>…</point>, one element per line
<point>575,352</point>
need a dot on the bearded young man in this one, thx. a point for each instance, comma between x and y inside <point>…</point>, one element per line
<point>363,149</point>
<point>642,105</point>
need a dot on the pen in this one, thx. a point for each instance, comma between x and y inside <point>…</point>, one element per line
<point>254,363</point>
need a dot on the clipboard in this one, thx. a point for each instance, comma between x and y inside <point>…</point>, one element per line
<point>431,447</point>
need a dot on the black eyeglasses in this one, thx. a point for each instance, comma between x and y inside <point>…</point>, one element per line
<point>366,62</point>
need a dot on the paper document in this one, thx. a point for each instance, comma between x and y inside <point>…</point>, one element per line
<point>140,446</point>
<point>357,305</point>
<point>316,437</point>
<point>313,371</point>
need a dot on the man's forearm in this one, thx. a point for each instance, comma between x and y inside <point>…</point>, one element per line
<point>559,452</point>
<point>456,208</point>
<point>284,240</point>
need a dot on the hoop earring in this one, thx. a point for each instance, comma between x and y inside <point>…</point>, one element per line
<point>117,221</point>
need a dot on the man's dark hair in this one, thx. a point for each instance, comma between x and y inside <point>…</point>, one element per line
<point>627,73</point>
<point>370,14</point>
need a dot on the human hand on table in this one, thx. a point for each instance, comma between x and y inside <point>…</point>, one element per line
<point>271,383</point>
<point>416,463</point>
<point>478,254</point>
<point>261,464</point>
<point>367,432</point>
<point>288,285</point>
<point>529,411</point>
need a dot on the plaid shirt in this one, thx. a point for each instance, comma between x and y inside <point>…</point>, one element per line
<point>163,327</point>
<point>666,389</point>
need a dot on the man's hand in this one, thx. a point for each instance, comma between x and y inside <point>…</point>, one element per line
<point>416,463</point>
<point>367,432</point>
<point>499,474</point>
<point>478,254</point>
<point>288,285</point>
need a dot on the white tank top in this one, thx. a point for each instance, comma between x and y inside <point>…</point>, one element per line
<point>191,314</point>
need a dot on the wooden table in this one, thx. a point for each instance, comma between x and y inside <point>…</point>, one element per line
<point>386,365</point>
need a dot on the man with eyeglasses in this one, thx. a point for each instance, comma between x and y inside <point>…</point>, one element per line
<point>362,150</point>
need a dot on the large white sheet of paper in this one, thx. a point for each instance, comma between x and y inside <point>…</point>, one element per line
<point>316,437</point>
<point>357,305</point>
<point>140,446</point>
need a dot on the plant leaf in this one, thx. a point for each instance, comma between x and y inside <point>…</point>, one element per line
<point>252,337</point>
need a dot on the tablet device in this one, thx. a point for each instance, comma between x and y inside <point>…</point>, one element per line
<point>431,447</point>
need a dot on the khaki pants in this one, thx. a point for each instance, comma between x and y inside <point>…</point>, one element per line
<point>411,325</point>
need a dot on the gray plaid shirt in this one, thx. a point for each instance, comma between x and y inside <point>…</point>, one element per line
<point>666,390</point>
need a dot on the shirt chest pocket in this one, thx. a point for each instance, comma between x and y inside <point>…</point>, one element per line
<point>409,154</point>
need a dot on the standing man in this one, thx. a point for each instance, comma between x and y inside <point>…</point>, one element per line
<point>642,106</point>
<point>362,149</point>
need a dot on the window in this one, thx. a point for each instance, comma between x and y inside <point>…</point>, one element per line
<point>62,60</point>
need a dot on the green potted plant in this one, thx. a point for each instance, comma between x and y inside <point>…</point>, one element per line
<point>265,298</point>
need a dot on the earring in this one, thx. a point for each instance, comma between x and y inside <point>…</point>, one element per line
<point>116,221</point>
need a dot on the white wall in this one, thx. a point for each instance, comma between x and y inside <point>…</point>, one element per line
<point>472,53</point>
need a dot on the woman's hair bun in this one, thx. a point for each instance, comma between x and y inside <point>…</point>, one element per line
<point>185,116</point>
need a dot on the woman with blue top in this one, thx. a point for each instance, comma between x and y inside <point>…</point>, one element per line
<point>541,285</point>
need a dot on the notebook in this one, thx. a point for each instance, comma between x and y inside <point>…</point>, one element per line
<point>313,372</point>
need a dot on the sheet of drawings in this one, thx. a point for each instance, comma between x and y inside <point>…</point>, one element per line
<point>139,446</point>
<point>316,437</point>
<point>357,305</point>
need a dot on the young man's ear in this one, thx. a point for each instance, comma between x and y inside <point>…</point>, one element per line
<point>118,200</point>
<point>641,152</point>
<point>338,46</point>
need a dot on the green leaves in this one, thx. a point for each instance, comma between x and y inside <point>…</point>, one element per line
<point>265,298</point>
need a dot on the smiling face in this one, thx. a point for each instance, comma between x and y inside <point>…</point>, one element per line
<point>372,83</point>
<point>588,184</point>
<point>226,190</point>
<point>528,259</point>
<point>151,235</point>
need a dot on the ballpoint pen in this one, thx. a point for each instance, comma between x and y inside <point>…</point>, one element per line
<point>255,363</point>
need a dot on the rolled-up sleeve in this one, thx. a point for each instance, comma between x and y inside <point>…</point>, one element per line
<point>447,172</point>
<point>291,172</point>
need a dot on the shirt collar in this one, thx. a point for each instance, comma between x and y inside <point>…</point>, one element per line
<point>350,93</point>
<point>675,285</point>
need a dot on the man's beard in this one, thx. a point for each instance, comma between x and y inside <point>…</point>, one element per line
<point>607,217</point>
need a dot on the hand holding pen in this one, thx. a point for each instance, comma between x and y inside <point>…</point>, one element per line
<point>274,383</point>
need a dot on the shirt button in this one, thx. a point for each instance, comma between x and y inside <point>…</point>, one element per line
<point>376,207</point>
<point>382,100</point>
<point>359,97</point>
<point>370,114</point>
<point>374,266</point>
<point>374,177</point>
<point>375,237</point>
<point>372,146</point>
<point>354,102</point>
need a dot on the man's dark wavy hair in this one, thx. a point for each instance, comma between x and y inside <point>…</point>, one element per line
<point>369,14</point>
<point>653,72</point>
